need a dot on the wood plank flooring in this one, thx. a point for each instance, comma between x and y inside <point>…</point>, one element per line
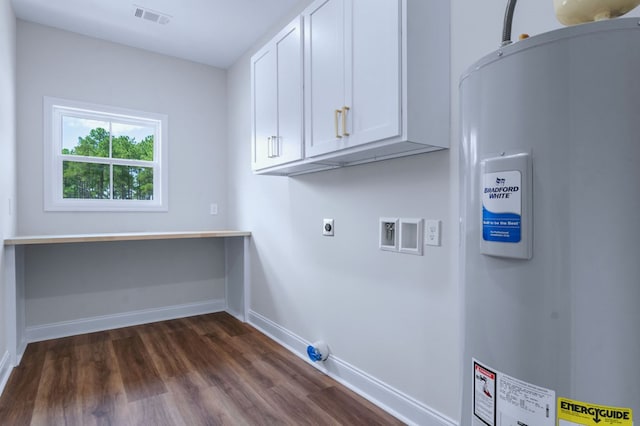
<point>203,370</point>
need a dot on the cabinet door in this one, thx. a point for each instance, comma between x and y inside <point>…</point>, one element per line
<point>289,145</point>
<point>325,68</point>
<point>376,76</point>
<point>353,73</point>
<point>276,76</point>
<point>264,106</point>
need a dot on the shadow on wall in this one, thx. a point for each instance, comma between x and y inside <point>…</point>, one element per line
<point>109,266</point>
<point>387,174</point>
<point>272,268</point>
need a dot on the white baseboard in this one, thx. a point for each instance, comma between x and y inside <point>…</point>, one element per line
<point>126,319</point>
<point>389,399</point>
<point>5,370</point>
<point>22,346</point>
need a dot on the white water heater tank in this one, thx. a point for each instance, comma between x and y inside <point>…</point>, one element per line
<point>550,211</point>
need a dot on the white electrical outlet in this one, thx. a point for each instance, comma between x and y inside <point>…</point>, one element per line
<point>327,227</point>
<point>213,209</point>
<point>432,233</point>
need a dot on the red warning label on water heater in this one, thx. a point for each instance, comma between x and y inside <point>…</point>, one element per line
<point>484,394</point>
<point>503,400</point>
<point>502,207</point>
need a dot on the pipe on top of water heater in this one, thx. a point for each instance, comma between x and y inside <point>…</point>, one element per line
<point>508,20</point>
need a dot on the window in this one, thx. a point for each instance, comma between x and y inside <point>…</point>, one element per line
<point>100,158</point>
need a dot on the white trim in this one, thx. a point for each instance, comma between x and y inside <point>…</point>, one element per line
<point>237,276</point>
<point>384,396</point>
<point>10,301</point>
<point>20,305</point>
<point>22,346</point>
<point>228,286</point>
<point>54,109</point>
<point>125,319</point>
<point>5,370</point>
<point>246,284</point>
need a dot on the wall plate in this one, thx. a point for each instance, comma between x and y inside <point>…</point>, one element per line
<point>432,233</point>
<point>388,229</point>
<point>327,227</point>
<point>411,235</point>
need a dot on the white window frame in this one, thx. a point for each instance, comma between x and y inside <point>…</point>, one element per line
<point>54,110</point>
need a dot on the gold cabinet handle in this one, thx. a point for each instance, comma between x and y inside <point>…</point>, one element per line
<point>338,111</point>
<point>273,147</point>
<point>344,120</point>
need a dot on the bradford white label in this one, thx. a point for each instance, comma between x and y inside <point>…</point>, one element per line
<point>502,207</point>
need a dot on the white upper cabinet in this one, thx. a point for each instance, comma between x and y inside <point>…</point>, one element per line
<point>276,88</point>
<point>326,64</point>
<point>352,73</point>
<point>376,83</point>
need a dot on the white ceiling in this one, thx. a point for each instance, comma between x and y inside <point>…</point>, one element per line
<point>213,32</point>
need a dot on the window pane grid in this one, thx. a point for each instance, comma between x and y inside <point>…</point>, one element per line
<point>129,170</point>
<point>86,180</point>
<point>110,156</point>
<point>116,161</point>
<point>132,183</point>
<point>104,158</point>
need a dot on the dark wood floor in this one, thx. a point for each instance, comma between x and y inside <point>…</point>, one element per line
<point>203,370</point>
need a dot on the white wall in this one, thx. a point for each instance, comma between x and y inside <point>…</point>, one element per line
<point>111,279</point>
<point>71,282</point>
<point>57,63</point>
<point>395,317</point>
<point>7,150</point>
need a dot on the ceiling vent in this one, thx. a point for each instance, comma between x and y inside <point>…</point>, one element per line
<point>151,15</point>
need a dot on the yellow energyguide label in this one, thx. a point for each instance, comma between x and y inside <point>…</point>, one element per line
<point>578,413</point>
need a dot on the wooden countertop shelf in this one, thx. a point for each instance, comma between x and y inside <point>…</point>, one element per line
<point>127,236</point>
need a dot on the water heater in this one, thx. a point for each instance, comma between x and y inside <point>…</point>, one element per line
<point>550,213</point>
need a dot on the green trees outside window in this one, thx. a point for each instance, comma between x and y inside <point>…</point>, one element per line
<point>104,180</point>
